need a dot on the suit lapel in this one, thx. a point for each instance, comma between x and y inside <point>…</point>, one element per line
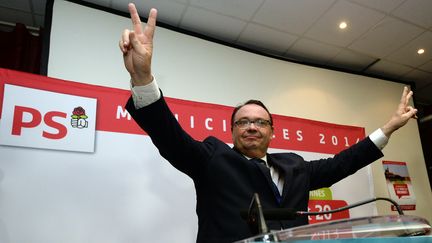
<point>266,172</point>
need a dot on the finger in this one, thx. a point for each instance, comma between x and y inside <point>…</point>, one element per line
<point>122,49</point>
<point>125,42</point>
<point>408,97</point>
<point>404,94</point>
<point>411,112</point>
<point>136,22</point>
<point>151,24</point>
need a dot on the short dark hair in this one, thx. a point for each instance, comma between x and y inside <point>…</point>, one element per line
<point>250,102</point>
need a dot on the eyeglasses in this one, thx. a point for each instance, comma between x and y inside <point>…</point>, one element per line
<point>244,123</point>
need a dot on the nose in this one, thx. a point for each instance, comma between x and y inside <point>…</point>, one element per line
<point>252,126</point>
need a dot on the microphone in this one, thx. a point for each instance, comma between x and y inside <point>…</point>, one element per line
<point>397,206</point>
<point>256,216</point>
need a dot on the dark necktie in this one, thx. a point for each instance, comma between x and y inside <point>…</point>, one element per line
<point>263,165</point>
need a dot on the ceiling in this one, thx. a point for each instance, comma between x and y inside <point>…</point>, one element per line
<point>382,37</point>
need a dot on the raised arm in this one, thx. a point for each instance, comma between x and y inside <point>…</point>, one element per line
<point>402,115</point>
<point>137,47</point>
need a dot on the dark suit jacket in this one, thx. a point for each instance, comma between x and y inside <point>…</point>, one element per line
<point>225,180</point>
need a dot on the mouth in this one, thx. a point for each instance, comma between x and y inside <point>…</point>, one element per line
<point>251,137</point>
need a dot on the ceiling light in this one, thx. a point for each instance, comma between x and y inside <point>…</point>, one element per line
<point>420,51</point>
<point>343,25</point>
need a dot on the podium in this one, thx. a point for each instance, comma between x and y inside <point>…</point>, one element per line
<point>378,229</point>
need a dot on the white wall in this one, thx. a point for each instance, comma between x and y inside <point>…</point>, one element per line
<point>84,47</point>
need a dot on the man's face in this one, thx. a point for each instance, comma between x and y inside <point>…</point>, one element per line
<point>252,140</point>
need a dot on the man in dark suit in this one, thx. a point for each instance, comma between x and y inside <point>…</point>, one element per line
<point>226,178</point>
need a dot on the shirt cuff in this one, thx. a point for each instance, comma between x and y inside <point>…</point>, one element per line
<point>379,138</point>
<point>146,94</point>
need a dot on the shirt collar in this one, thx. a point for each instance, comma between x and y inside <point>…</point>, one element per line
<point>263,158</point>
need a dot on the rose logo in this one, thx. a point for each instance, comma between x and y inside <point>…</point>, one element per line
<point>79,118</point>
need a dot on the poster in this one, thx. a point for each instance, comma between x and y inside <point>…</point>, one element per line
<point>399,185</point>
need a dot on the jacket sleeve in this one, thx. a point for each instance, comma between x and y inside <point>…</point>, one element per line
<point>174,144</point>
<point>326,172</point>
